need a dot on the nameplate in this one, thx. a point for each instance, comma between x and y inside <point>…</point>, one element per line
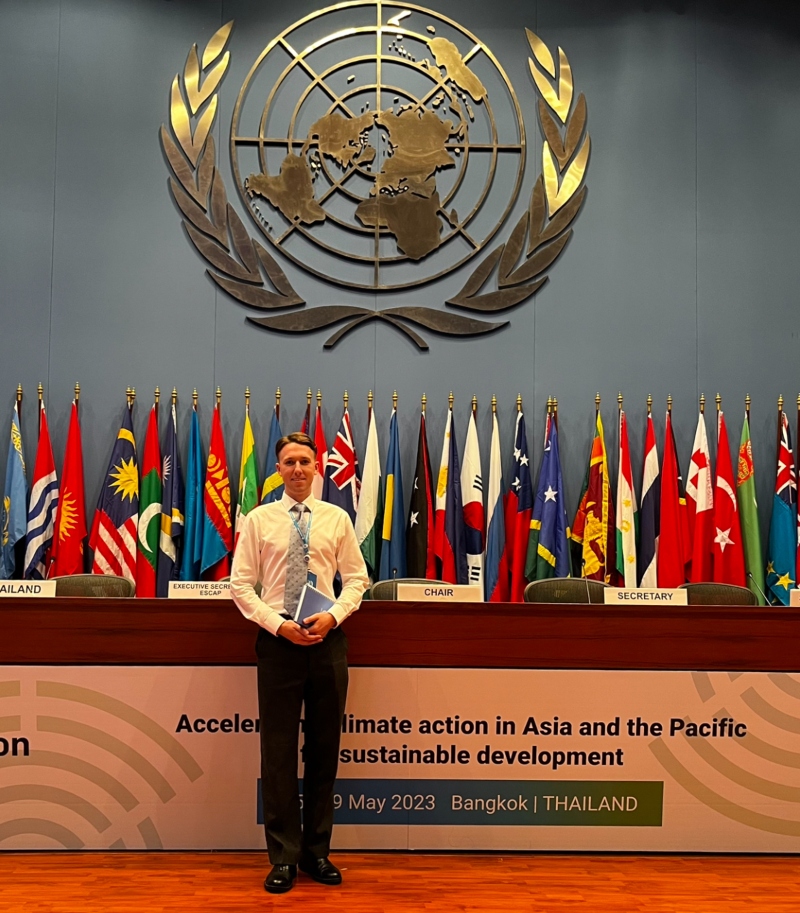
<point>794,599</point>
<point>661,595</point>
<point>179,589</point>
<point>431,592</point>
<point>36,589</point>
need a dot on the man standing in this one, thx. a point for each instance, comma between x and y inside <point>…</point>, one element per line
<point>282,546</point>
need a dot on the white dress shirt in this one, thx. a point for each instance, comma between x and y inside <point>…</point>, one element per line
<point>261,557</point>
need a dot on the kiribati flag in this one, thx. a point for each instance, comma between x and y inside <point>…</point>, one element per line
<point>42,507</point>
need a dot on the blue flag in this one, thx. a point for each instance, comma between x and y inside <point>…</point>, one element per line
<point>193,528</point>
<point>272,489</point>
<point>172,497</point>
<point>15,500</point>
<point>782,549</point>
<point>550,514</point>
<point>342,483</point>
<point>393,537</point>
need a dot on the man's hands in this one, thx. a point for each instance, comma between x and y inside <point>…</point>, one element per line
<point>318,627</point>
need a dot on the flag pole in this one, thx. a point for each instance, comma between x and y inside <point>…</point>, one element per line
<point>649,404</point>
<point>370,398</point>
<point>278,404</point>
<point>780,421</point>
<point>555,411</point>
<point>475,406</point>
<point>669,404</point>
<point>247,401</point>
<point>174,396</point>
<point>519,403</point>
<point>494,404</point>
<point>450,399</point>
<point>394,401</point>
<point>156,398</point>
<point>345,400</point>
<point>219,397</point>
<point>194,399</point>
<point>747,407</point>
<point>702,404</point>
<point>425,402</point>
<point>596,406</point>
<point>19,406</point>
<point>40,391</point>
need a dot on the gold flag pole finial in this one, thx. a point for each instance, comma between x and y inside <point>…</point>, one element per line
<point>156,395</point>
<point>40,392</point>
<point>370,399</point>
<point>19,395</point>
<point>519,402</point>
<point>555,410</point>
<point>194,399</point>
<point>77,392</point>
<point>494,404</point>
<point>346,399</point>
<point>596,404</point>
<point>394,400</point>
<point>133,396</point>
<point>450,400</point>
<point>128,396</point>
<point>247,400</point>
<point>780,403</point>
<point>319,398</point>
<point>309,396</point>
<point>619,401</point>
<point>219,396</point>
<point>669,403</point>
<point>278,403</point>
<point>747,406</point>
<point>174,396</point>
<point>424,402</point>
<point>702,404</point>
<point>549,405</point>
<point>475,405</point>
<point>649,404</point>
<point>718,401</point>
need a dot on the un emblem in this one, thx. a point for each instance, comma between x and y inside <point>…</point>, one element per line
<point>378,146</point>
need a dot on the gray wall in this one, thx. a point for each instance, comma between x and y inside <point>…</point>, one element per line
<point>681,277</point>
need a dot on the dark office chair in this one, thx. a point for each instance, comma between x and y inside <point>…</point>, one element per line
<point>386,590</point>
<point>565,589</point>
<point>101,586</point>
<point>718,594</point>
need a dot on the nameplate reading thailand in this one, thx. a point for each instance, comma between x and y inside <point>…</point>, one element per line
<point>616,595</point>
<point>178,589</point>
<point>438,592</point>
<point>37,589</point>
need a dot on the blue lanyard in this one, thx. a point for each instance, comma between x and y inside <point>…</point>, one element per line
<point>304,538</point>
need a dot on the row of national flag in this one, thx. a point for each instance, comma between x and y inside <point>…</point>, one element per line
<point>154,524</point>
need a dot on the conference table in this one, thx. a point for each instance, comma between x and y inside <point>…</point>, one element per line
<point>80,631</point>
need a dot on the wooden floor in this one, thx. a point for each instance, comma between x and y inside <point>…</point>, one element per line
<point>204,883</point>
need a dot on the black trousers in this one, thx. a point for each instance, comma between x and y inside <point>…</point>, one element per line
<point>290,678</point>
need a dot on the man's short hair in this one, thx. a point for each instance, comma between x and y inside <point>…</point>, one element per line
<point>296,437</point>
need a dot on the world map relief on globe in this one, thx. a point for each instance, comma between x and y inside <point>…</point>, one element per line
<point>403,198</point>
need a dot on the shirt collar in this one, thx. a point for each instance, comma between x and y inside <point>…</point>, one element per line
<point>289,502</point>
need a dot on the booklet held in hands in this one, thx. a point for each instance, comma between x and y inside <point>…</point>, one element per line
<point>311,602</point>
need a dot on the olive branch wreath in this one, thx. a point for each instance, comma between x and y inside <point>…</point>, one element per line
<point>254,277</point>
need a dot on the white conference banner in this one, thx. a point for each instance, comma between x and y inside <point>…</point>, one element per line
<point>457,759</point>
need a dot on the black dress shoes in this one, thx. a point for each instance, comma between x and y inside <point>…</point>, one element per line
<point>280,879</point>
<point>321,870</point>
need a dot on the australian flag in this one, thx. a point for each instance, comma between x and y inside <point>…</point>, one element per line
<point>342,482</point>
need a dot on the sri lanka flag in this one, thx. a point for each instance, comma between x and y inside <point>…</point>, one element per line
<point>116,520</point>
<point>43,506</point>
<point>217,528</point>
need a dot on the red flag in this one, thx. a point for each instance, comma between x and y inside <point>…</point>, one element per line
<point>322,454</point>
<point>215,563</point>
<point>728,550</point>
<point>149,512</point>
<point>70,531</point>
<point>700,506</point>
<point>671,545</point>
